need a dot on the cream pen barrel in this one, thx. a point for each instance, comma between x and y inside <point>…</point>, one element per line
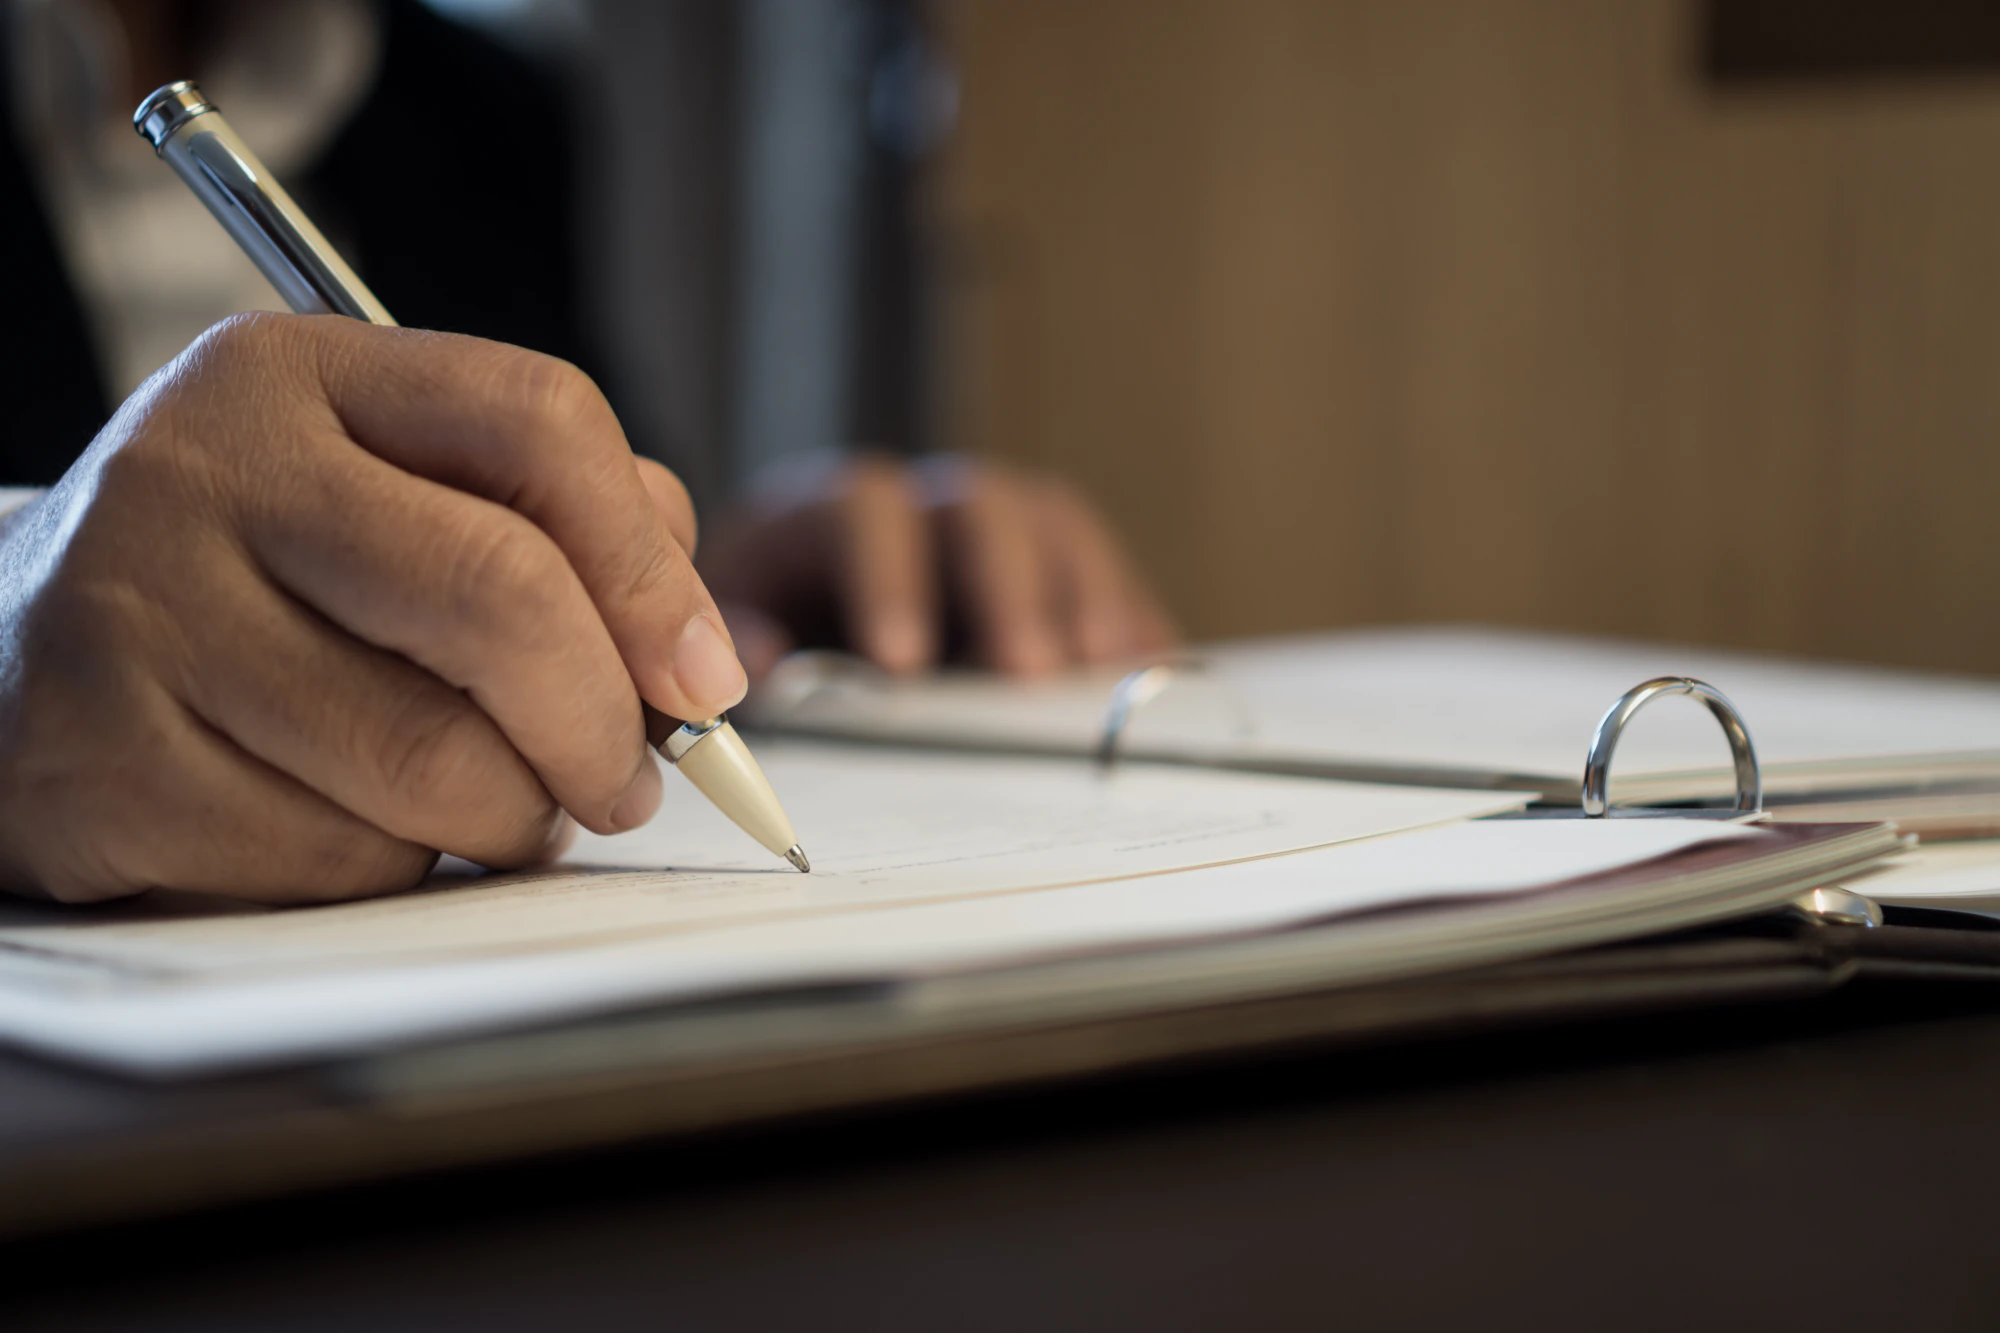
<point>191,136</point>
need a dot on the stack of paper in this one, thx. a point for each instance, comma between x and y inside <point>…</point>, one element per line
<point>928,870</point>
<point>1959,876</point>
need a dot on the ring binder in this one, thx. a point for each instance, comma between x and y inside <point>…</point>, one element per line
<point>1828,904</point>
<point>1597,761</point>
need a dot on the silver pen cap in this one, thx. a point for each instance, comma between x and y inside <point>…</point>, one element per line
<point>191,136</point>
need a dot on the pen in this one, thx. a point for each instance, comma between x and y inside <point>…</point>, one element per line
<point>191,136</point>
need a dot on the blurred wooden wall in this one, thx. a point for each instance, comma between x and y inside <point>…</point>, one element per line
<point>1375,310</point>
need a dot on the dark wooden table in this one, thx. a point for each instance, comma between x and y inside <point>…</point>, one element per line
<point>1832,1164</point>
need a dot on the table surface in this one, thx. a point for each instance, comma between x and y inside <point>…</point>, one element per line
<point>1829,1164</point>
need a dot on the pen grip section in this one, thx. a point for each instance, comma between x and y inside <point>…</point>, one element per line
<point>722,769</point>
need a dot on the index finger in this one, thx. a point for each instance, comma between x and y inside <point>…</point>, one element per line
<point>534,434</point>
<point>886,568</point>
<point>1002,575</point>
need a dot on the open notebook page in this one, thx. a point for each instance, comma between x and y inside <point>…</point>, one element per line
<point>882,828</point>
<point>212,1017</point>
<point>1469,703</point>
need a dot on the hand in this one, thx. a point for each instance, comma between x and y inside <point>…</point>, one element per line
<point>896,561</point>
<point>325,599</point>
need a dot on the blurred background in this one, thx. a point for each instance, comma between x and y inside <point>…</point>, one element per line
<point>1673,318</point>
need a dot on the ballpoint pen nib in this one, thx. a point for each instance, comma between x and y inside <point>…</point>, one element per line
<point>797,856</point>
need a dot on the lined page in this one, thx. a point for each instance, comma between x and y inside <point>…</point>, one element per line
<point>231,1018</point>
<point>882,828</point>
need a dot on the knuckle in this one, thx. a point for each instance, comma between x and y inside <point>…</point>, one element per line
<point>953,483</point>
<point>654,567</point>
<point>429,748</point>
<point>877,482</point>
<point>528,837</point>
<point>504,576</point>
<point>207,426</point>
<point>874,469</point>
<point>553,392</point>
<point>349,865</point>
<point>875,488</point>
<point>450,762</point>
<point>242,340</point>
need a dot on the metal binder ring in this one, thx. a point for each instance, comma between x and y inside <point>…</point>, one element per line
<point>1597,764</point>
<point>1133,689</point>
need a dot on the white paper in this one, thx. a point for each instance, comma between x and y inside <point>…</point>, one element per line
<point>1469,700</point>
<point>1935,871</point>
<point>881,827</point>
<point>233,1018</point>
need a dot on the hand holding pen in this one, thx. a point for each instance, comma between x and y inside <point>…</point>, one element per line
<point>324,599</point>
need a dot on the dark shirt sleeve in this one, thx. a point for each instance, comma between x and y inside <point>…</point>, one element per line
<point>53,394</point>
<point>451,188</point>
<point>449,191</point>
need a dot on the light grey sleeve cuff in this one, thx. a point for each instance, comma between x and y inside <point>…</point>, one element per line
<point>15,497</point>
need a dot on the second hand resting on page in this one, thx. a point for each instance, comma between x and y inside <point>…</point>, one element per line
<point>891,562</point>
<point>324,600</point>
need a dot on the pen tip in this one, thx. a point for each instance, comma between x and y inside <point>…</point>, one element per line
<point>797,856</point>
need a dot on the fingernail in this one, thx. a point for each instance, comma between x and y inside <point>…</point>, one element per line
<point>641,800</point>
<point>706,669</point>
